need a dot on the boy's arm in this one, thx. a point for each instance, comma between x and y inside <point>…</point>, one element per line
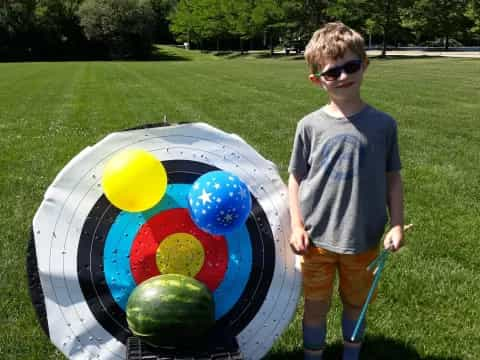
<point>299,239</point>
<point>394,238</point>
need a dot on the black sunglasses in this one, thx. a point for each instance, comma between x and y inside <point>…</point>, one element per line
<point>334,73</point>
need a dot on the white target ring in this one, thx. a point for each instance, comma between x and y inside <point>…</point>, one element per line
<point>58,226</point>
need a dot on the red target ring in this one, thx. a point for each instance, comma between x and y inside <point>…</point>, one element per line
<point>143,255</point>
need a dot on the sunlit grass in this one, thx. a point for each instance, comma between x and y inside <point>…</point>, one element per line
<point>429,297</point>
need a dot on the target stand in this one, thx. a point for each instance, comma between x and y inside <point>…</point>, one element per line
<point>86,256</point>
<point>136,350</point>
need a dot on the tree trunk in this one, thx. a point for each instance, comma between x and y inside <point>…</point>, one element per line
<point>271,43</point>
<point>386,14</point>
<point>384,48</point>
<point>446,43</point>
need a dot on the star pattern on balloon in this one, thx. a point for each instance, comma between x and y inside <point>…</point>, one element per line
<point>205,197</point>
<point>218,201</point>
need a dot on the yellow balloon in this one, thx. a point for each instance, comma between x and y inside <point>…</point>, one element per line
<point>134,180</point>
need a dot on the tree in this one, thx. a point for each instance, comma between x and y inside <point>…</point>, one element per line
<point>302,17</point>
<point>199,20</point>
<point>124,26</point>
<point>239,20</point>
<point>441,18</point>
<point>58,26</point>
<point>183,23</point>
<point>212,20</point>
<point>472,12</point>
<point>162,10</point>
<point>354,13</point>
<point>268,15</point>
<point>17,15</point>
<point>371,17</point>
<point>16,24</point>
<point>385,15</point>
<point>350,12</point>
<point>315,13</point>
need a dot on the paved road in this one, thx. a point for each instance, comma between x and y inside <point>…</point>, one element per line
<point>460,54</point>
<point>412,53</point>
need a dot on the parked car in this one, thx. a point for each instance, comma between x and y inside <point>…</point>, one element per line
<point>297,46</point>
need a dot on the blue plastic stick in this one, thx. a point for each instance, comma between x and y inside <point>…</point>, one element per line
<point>379,258</point>
<point>381,263</point>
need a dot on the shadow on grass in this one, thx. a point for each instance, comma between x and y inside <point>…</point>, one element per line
<point>231,54</point>
<point>402,57</point>
<point>268,55</point>
<point>160,54</point>
<point>277,55</point>
<point>259,55</point>
<point>374,348</point>
<point>281,56</point>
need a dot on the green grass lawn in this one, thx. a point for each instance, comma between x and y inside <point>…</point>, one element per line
<point>429,301</point>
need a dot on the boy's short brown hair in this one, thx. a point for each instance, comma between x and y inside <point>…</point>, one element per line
<point>331,42</point>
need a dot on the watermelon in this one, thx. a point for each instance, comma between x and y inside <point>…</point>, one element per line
<point>170,310</point>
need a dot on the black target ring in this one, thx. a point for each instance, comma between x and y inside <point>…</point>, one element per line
<point>92,278</point>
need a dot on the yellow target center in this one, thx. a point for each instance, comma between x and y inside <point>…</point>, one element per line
<point>180,253</point>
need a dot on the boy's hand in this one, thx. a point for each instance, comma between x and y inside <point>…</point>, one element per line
<point>393,240</point>
<point>299,240</point>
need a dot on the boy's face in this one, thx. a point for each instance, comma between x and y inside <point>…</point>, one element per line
<point>341,78</point>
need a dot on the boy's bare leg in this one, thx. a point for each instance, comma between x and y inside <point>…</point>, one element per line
<point>314,328</point>
<point>351,350</point>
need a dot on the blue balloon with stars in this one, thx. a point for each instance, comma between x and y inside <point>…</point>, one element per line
<point>219,202</point>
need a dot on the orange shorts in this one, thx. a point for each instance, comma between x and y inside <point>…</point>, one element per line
<point>319,267</point>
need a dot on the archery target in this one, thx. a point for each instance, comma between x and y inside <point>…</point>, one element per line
<point>91,255</point>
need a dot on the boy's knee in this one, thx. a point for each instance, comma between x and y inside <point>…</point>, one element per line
<point>315,312</point>
<point>351,311</point>
<point>314,327</point>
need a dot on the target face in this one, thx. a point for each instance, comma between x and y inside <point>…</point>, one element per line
<point>91,255</point>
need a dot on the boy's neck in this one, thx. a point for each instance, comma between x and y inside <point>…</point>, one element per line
<point>346,108</point>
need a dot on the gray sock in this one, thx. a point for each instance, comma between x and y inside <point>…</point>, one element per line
<point>313,354</point>
<point>314,341</point>
<point>351,353</point>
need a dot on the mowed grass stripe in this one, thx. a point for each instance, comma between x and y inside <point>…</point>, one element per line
<point>221,100</point>
<point>452,289</point>
<point>223,88</point>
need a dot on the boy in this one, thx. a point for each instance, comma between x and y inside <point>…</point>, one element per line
<point>344,171</point>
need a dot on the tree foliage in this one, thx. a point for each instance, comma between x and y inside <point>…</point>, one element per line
<point>125,26</point>
<point>437,18</point>
<point>16,23</point>
<point>269,15</point>
<point>58,26</point>
<point>162,10</point>
<point>198,20</point>
<point>473,14</point>
<point>354,13</point>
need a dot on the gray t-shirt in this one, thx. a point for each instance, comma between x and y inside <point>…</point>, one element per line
<point>341,164</point>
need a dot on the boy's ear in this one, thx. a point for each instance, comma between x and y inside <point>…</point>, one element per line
<point>365,63</point>
<point>314,79</point>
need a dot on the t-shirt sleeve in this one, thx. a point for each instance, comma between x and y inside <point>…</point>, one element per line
<point>393,155</point>
<point>298,166</point>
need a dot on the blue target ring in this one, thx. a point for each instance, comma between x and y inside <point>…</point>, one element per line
<point>249,274</point>
<point>121,236</point>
